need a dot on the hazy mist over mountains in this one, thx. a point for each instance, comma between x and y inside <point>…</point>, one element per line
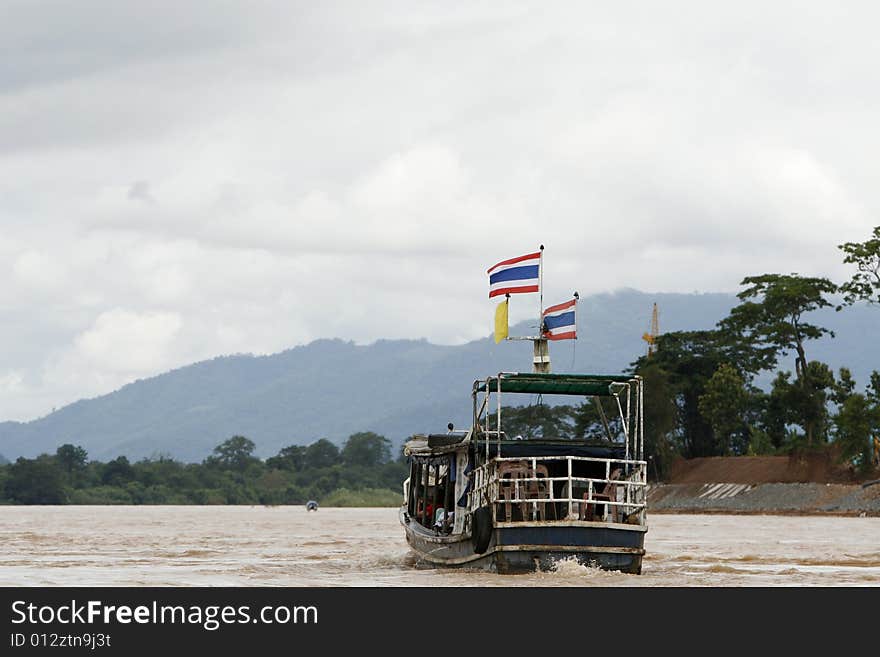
<point>331,388</point>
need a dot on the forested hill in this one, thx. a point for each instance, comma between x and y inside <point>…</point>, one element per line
<point>331,388</point>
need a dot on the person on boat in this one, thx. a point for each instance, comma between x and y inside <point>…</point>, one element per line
<point>441,519</point>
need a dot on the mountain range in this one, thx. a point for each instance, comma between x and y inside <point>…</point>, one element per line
<point>332,388</point>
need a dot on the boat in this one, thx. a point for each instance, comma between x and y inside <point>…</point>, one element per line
<point>311,505</point>
<point>484,499</point>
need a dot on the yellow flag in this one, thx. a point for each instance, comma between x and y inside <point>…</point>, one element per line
<point>501,321</point>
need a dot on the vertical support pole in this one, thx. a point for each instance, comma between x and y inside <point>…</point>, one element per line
<point>447,498</point>
<point>630,416</point>
<point>427,471</point>
<point>474,416</point>
<point>436,496</point>
<point>414,476</point>
<point>570,488</point>
<point>641,420</point>
<point>497,424</point>
<point>541,291</point>
<point>497,419</point>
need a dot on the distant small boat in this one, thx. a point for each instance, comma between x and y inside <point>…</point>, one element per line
<point>311,505</point>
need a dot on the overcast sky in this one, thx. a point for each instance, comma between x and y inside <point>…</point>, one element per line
<point>184,180</point>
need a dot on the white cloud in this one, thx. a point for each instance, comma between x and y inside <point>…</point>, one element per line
<point>11,382</point>
<point>128,342</point>
<point>37,269</point>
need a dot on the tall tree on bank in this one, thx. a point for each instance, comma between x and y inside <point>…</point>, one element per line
<point>688,360</point>
<point>865,283</point>
<point>660,420</point>
<point>72,459</point>
<point>771,315</point>
<point>36,481</point>
<point>290,458</point>
<point>367,449</point>
<point>857,420</point>
<point>234,454</point>
<point>320,454</point>
<point>725,404</point>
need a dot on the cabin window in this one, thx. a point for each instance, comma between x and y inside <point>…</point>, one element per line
<point>432,492</point>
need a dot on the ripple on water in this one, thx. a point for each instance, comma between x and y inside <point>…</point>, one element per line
<point>180,546</point>
<point>724,568</point>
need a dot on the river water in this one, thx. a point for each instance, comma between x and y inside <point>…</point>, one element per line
<point>288,546</point>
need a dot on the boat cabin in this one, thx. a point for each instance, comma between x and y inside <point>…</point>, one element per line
<point>596,476</point>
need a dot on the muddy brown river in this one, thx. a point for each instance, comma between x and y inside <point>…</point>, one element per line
<point>288,546</point>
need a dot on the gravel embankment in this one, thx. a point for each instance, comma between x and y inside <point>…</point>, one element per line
<point>765,498</point>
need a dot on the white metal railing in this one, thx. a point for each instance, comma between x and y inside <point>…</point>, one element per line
<point>498,484</point>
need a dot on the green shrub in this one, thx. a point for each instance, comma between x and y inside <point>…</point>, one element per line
<point>100,495</point>
<point>363,497</point>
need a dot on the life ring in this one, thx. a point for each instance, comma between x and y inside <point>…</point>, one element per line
<point>481,529</point>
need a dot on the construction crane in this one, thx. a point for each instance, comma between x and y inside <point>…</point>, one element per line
<point>651,336</point>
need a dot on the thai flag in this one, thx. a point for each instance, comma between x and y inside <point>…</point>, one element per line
<point>558,322</point>
<point>515,276</point>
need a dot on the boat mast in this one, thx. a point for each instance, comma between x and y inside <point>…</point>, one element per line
<point>541,354</point>
<point>541,358</point>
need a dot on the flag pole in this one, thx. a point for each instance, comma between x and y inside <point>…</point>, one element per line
<point>541,354</point>
<point>540,290</point>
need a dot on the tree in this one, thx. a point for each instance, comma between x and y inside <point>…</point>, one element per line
<point>595,419</point>
<point>367,449</point>
<point>865,283</point>
<point>321,454</point>
<point>857,419</point>
<point>117,472</point>
<point>72,459</point>
<point>775,320</point>
<point>874,387</point>
<point>725,404</point>
<point>35,481</point>
<point>854,424</point>
<point>289,458</point>
<point>234,454</point>
<point>534,421</point>
<point>810,402</point>
<point>272,487</point>
<point>683,363</point>
<point>778,409</point>
<point>793,404</point>
<point>843,387</point>
<point>660,419</point>
<point>687,360</point>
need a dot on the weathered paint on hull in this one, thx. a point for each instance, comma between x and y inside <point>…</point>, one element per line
<point>523,547</point>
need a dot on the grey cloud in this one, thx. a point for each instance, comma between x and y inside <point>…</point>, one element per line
<point>140,191</point>
<point>46,41</point>
<point>241,165</point>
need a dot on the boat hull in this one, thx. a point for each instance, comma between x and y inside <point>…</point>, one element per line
<point>525,547</point>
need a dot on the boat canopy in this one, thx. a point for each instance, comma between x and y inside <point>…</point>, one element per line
<point>555,384</point>
<point>545,448</point>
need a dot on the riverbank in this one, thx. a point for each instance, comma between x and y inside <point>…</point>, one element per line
<point>783,485</point>
<point>769,498</point>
